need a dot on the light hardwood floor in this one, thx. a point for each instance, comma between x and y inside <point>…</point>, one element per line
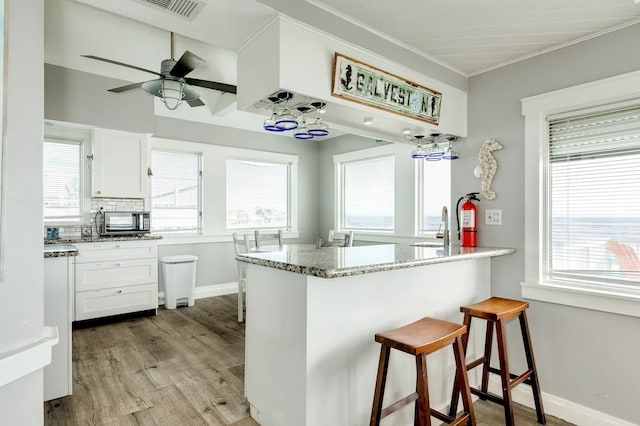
<point>181,367</point>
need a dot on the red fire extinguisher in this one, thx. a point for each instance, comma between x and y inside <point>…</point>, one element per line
<point>468,229</point>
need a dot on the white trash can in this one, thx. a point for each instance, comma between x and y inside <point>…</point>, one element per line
<point>178,279</point>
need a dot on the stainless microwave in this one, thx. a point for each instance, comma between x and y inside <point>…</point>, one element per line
<point>123,223</point>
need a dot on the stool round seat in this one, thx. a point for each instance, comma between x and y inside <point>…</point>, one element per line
<point>495,308</point>
<point>425,335</point>
<point>420,338</point>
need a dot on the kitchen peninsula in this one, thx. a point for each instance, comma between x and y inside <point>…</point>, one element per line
<point>312,314</point>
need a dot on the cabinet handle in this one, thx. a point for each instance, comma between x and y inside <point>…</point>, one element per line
<point>117,264</point>
<point>98,192</point>
<point>119,291</point>
<point>117,246</point>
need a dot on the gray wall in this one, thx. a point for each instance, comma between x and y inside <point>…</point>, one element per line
<point>584,356</point>
<point>21,285</point>
<point>78,97</point>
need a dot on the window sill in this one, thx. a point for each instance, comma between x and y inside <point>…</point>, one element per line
<point>177,239</point>
<point>622,302</point>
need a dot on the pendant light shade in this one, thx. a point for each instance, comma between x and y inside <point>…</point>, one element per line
<point>171,91</point>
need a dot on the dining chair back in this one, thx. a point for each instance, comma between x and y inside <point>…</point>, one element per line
<point>271,238</point>
<point>340,239</point>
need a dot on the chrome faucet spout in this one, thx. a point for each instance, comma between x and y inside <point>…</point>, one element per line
<point>445,219</point>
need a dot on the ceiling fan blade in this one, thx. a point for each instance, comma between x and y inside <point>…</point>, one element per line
<point>125,88</point>
<point>121,64</point>
<point>195,103</point>
<point>187,63</point>
<point>222,87</point>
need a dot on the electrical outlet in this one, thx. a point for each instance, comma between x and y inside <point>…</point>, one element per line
<point>493,217</point>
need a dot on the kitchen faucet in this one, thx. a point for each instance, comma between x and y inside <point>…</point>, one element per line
<point>445,219</point>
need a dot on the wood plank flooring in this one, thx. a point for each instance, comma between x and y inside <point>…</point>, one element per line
<point>181,367</point>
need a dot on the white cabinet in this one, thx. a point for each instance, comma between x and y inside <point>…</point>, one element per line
<point>120,162</point>
<point>58,311</point>
<point>116,278</point>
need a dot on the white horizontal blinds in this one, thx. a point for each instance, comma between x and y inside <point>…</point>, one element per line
<point>436,193</point>
<point>594,196</point>
<point>61,180</point>
<point>368,194</point>
<point>175,191</point>
<point>257,194</point>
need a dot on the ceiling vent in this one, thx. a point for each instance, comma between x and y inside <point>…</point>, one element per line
<point>187,9</point>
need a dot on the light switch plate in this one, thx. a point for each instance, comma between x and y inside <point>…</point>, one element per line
<point>493,217</point>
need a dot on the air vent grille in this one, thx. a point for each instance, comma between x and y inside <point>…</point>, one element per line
<point>187,9</point>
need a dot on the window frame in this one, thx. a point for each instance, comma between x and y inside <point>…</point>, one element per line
<point>290,205</point>
<point>339,160</point>
<point>65,133</point>
<point>623,300</point>
<point>199,229</point>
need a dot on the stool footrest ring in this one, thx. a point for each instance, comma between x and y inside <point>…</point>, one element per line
<point>398,405</point>
<point>513,377</point>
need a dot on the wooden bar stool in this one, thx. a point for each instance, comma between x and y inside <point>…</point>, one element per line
<point>498,311</point>
<point>421,338</point>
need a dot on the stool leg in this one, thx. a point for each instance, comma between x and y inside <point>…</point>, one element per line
<point>463,380</point>
<point>423,410</point>
<point>528,350</point>
<point>381,380</point>
<point>488,343</point>
<point>504,374</point>
<point>453,407</point>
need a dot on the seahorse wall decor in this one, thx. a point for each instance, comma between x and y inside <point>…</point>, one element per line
<point>488,167</point>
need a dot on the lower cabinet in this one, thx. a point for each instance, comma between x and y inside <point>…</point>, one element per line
<point>116,278</point>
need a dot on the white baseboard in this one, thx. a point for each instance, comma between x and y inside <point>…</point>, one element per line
<point>559,407</point>
<point>212,290</point>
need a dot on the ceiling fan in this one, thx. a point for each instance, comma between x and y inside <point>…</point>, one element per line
<point>172,85</point>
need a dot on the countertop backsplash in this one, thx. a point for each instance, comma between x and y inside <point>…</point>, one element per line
<point>74,232</point>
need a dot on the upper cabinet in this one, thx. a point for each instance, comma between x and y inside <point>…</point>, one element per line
<point>120,161</point>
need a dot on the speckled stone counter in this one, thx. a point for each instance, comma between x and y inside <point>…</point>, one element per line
<point>103,239</point>
<point>60,250</point>
<point>332,262</point>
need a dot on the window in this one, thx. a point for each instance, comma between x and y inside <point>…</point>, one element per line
<point>62,177</point>
<point>175,191</point>
<point>434,192</point>
<point>581,202</point>
<point>593,207</point>
<point>257,194</point>
<point>367,194</point>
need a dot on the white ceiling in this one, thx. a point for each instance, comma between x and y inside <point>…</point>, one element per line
<point>472,36</point>
<point>468,36</point>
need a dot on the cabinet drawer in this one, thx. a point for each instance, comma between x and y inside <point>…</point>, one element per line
<point>97,252</point>
<point>115,301</point>
<point>116,273</point>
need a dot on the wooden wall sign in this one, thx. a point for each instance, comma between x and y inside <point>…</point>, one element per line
<point>358,82</point>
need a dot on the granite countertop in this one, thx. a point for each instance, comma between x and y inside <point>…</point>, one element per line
<point>60,250</point>
<point>332,262</point>
<point>103,239</point>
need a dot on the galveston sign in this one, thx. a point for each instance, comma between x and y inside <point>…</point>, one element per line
<point>368,85</point>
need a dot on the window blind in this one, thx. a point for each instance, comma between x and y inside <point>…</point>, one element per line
<point>257,195</point>
<point>175,191</point>
<point>593,197</point>
<point>436,193</point>
<point>61,180</point>
<point>368,194</point>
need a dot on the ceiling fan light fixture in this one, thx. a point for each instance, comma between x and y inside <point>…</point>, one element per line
<point>171,93</point>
